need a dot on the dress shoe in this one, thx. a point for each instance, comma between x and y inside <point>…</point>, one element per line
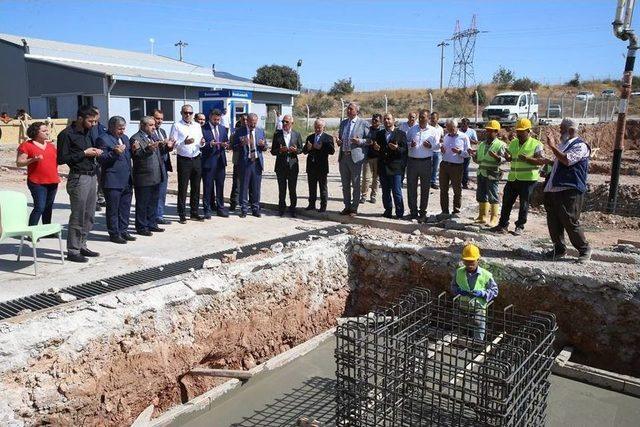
<point>353,213</point>
<point>362,200</point>
<point>372,199</point>
<point>345,211</point>
<point>322,209</point>
<point>88,252</point>
<point>117,239</point>
<point>293,214</point>
<point>399,215</point>
<point>281,213</point>
<point>387,214</point>
<point>232,206</point>
<point>243,215</point>
<point>128,237</point>
<point>207,216</point>
<point>222,213</point>
<point>435,186</point>
<point>182,220</point>
<point>156,229</point>
<point>197,217</point>
<point>98,209</point>
<point>309,208</point>
<point>412,216</point>
<point>163,221</point>
<point>145,233</point>
<point>77,258</point>
<point>257,214</point>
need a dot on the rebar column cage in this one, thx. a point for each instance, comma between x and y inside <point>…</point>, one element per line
<point>421,362</point>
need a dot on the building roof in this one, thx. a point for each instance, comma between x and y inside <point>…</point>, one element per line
<point>134,66</point>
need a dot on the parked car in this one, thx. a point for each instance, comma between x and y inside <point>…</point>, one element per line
<point>585,95</point>
<point>554,110</point>
<point>608,93</point>
<point>507,107</point>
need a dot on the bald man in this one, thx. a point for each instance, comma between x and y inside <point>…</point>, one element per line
<point>287,143</point>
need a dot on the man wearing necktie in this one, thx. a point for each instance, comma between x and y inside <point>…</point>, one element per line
<point>391,143</point>
<point>250,142</point>
<point>166,146</point>
<point>352,140</point>
<point>214,163</point>
<point>286,145</point>
<point>318,147</point>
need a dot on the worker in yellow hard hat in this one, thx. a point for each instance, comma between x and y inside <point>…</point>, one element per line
<point>489,156</point>
<point>526,155</point>
<point>475,287</point>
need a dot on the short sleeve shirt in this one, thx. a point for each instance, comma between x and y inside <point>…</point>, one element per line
<point>44,171</point>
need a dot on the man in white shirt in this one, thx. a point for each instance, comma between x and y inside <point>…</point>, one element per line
<point>189,139</point>
<point>435,160</point>
<point>422,143</point>
<point>473,138</point>
<point>454,149</point>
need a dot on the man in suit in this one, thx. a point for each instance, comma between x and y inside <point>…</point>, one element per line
<point>115,162</point>
<point>352,140</point>
<point>96,131</point>
<point>147,176</point>
<point>319,146</point>
<point>391,143</point>
<point>166,146</point>
<point>214,162</point>
<point>235,181</point>
<point>286,145</point>
<point>250,142</point>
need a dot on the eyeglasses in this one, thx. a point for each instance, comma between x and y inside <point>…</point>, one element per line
<point>187,112</point>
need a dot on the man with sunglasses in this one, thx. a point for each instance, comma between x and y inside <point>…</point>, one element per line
<point>287,143</point>
<point>189,139</point>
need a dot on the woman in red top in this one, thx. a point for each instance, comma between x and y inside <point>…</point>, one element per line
<point>39,155</point>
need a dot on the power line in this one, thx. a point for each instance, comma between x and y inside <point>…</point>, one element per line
<point>464,45</point>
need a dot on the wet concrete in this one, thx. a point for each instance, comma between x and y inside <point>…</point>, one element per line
<point>304,387</point>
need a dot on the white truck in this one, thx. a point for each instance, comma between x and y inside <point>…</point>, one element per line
<point>508,107</point>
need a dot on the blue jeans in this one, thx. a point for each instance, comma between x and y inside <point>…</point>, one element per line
<point>435,166</point>
<point>391,184</point>
<point>43,197</point>
<point>465,171</point>
<point>162,199</point>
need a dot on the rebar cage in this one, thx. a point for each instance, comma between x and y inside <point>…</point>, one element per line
<point>421,362</point>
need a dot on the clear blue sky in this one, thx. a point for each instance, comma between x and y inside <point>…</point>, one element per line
<point>379,44</point>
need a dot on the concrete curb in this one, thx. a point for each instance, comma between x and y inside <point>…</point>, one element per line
<point>594,376</point>
<point>205,401</point>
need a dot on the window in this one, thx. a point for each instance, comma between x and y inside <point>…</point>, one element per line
<point>52,107</point>
<point>140,107</point>
<point>85,100</point>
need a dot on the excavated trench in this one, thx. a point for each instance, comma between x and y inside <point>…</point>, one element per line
<point>103,361</point>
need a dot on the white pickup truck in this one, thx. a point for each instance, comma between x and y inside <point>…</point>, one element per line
<point>508,107</point>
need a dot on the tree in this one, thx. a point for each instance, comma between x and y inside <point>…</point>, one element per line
<point>278,76</point>
<point>524,83</point>
<point>575,81</point>
<point>503,77</point>
<point>342,87</point>
<point>482,96</point>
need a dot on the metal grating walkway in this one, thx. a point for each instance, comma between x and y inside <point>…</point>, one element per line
<point>43,301</point>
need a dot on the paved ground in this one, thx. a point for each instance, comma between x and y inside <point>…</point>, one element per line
<point>305,387</point>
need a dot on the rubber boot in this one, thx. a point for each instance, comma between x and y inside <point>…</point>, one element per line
<point>495,215</point>
<point>482,212</point>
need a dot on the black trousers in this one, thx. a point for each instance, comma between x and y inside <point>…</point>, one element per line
<point>189,174</point>
<point>118,209</point>
<point>563,214</point>
<point>287,179</point>
<point>512,191</point>
<point>146,205</point>
<point>316,179</point>
<point>235,187</point>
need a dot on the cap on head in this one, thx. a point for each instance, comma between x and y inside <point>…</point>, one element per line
<point>492,125</point>
<point>470,253</point>
<point>523,124</point>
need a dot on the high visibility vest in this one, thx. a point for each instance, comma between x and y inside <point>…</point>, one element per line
<point>481,285</point>
<point>521,170</point>
<point>487,165</point>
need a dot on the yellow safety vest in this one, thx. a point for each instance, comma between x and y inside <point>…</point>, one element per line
<point>487,165</point>
<point>521,170</point>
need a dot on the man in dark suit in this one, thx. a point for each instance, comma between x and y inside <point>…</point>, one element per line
<point>115,162</point>
<point>214,163</point>
<point>166,146</point>
<point>319,146</point>
<point>147,175</point>
<point>391,143</point>
<point>286,145</point>
<point>250,142</point>
<point>235,180</point>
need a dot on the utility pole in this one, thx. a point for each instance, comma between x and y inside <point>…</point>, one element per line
<point>180,45</point>
<point>464,46</point>
<point>152,41</point>
<point>441,45</point>
<point>622,30</point>
<point>298,65</point>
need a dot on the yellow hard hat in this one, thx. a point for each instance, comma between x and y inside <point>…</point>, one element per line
<point>470,253</point>
<point>492,125</point>
<point>523,124</point>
